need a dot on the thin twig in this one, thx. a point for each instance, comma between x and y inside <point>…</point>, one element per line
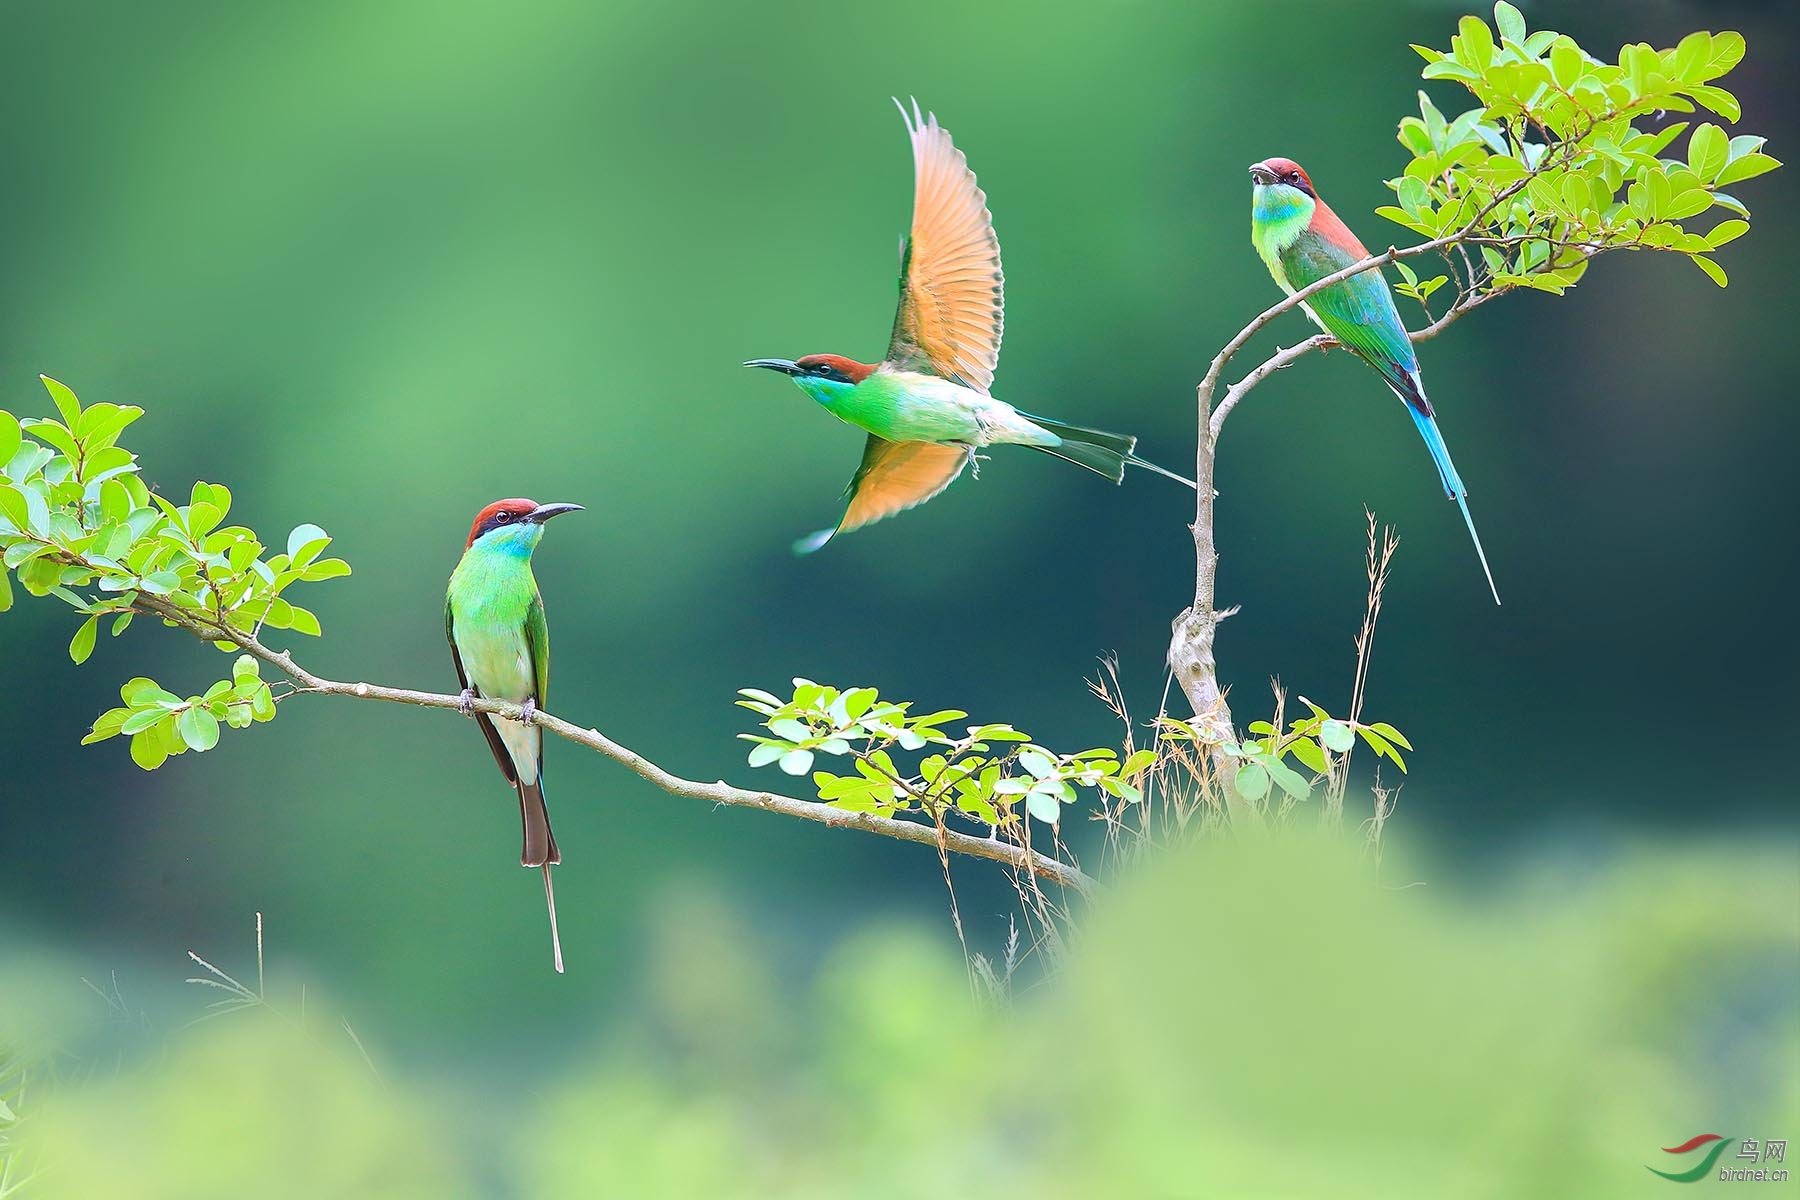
<point>994,849</point>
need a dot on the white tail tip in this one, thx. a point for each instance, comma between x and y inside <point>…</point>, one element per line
<point>550,902</point>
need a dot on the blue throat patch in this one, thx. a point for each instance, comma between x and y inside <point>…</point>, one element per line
<point>516,540</point>
<point>826,391</point>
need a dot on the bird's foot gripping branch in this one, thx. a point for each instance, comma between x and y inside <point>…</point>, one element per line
<point>78,523</point>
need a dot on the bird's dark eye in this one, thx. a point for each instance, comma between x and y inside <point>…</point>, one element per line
<point>503,516</point>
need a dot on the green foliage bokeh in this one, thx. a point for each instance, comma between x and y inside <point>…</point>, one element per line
<point>1538,1036</point>
<point>381,267</point>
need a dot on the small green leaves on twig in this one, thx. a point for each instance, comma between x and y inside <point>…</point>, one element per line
<point>987,773</point>
<point>78,523</point>
<point>1319,743</point>
<point>161,723</point>
<point>1563,157</point>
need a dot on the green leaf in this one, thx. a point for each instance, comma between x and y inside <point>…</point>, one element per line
<point>1289,780</point>
<point>82,644</point>
<point>1044,805</point>
<point>1749,166</point>
<point>1717,99</point>
<point>325,568</point>
<point>1726,50</point>
<point>1708,151</point>
<point>109,724</point>
<point>1565,62</point>
<point>1037,762</point>
<point>1140,760</point>
<point>199,729</point>
<point>140,691</point>
<point>10,438</point>
<point>1391,734</point>
<point>1310,754</point>
<point>797,762</point>
<point>1337,736</point>
<point>161,583</point>
<point>6,595</point>
<point>1712,270</point>
<point>143,719</point>
<point>15,509</point>
<point>1448,69</point>
<point>1252,781</point>
<point>1128,792</point>
<point>790,730</point>
<point>764,753</point>
<point>147,749</point>
<point>66,403</point>
<point>1721,200</point>
<point>1477,42</point>
<point>1509,21</point>
<point>1726,231</point>
<point>1691,55</point>
<point>305,543</point>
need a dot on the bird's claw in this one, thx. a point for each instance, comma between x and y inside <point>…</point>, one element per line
<point>528,712</point>
<point>465,703</point>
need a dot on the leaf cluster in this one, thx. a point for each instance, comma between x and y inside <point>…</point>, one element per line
<point>78,523</point>
<point>987,773</point>
<point>1566,155</point>
<point>1317,744</point>
<point>160,723</point>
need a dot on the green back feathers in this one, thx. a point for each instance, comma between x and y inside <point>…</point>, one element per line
<point>1359,311</point>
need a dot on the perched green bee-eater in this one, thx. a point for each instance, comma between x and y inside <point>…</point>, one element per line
<point>1302,241</point>
<point>495,619</point>
<point>926,405</point>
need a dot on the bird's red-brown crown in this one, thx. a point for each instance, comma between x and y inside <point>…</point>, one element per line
<point>1287,171</point>
<point>500,512</point>
<point>849,368</point>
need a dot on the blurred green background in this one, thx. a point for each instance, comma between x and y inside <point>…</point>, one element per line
<point>373,266</point>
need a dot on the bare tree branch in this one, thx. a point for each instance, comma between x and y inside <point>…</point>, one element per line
<point>1191,641</point>
<point>208,628</point>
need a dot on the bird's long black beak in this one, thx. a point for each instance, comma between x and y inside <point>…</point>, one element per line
<point>544,512</point>
<point>785,366</point>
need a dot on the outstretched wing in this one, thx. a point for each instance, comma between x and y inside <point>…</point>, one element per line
<point>894,476</point>
<point>952,295</point>
<point>501,754</point>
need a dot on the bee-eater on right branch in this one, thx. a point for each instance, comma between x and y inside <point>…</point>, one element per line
<point>495,620</point>
<point>926,405</point>
<point>1302,241</point>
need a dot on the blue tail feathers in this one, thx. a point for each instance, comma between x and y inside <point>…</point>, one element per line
<point>1453,484</point>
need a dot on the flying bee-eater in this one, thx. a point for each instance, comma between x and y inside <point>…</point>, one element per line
<point>926,406</point>
<point>495,620</point>
<point>1302,241</point>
